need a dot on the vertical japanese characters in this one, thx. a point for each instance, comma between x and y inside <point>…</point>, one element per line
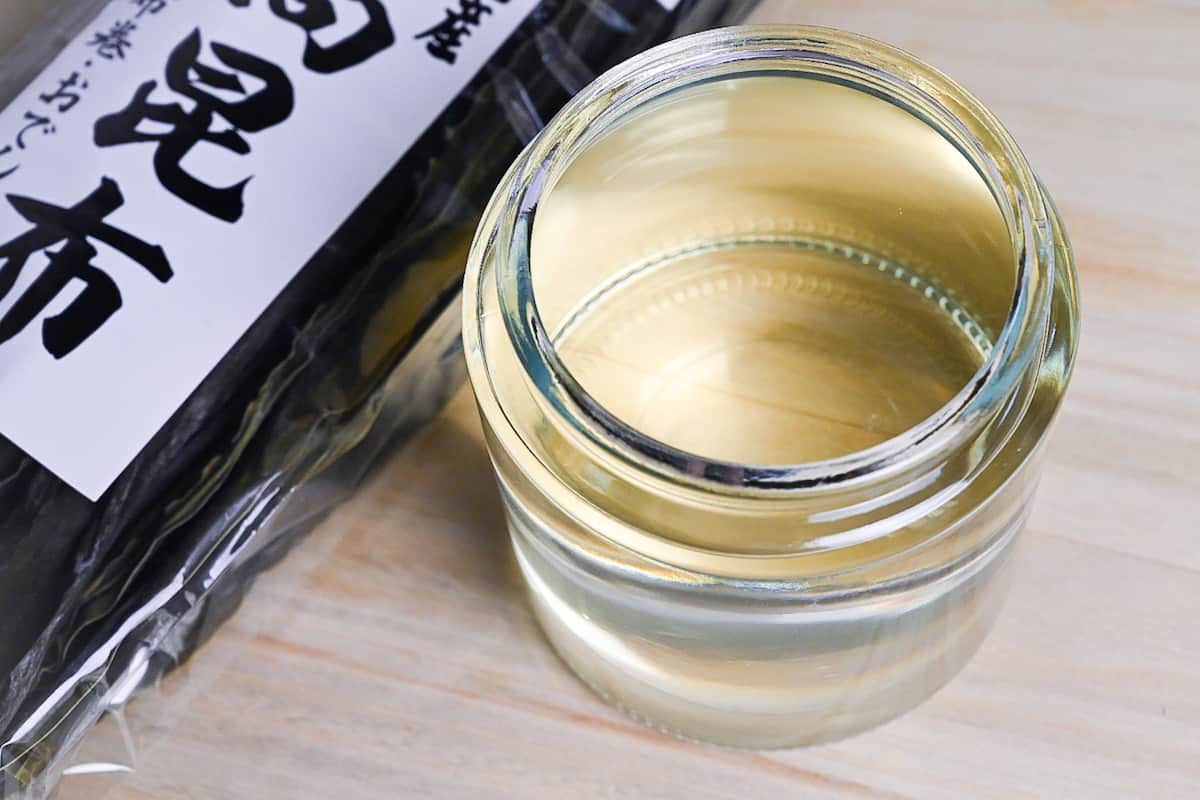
<point>443,40</point>
<point>188,75</point>
<point>210,94</point>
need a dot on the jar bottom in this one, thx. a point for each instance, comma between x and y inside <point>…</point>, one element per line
<point>771,349</point>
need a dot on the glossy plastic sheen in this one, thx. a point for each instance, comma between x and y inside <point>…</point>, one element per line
<point>100,601</point>
<point>767,604</point>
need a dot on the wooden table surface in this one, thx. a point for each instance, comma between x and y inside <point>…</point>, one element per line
<point>392,655</point>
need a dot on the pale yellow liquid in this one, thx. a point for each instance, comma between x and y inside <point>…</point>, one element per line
<point>765,270</point>
<point>772,271</point>
<point>773,353</point>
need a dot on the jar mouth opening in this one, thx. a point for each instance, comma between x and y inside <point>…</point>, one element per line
<point>854,61</point>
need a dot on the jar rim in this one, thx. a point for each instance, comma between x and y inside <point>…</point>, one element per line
<point>861,63</point>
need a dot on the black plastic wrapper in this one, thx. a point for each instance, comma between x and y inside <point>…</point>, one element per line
<point>98,600</point>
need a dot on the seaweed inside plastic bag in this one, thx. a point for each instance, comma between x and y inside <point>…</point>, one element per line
<point>99,600</point>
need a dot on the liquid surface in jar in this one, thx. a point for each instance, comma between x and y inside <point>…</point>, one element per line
<point>772,270</point>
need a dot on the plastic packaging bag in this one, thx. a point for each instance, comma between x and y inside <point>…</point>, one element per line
<point>98,600</point>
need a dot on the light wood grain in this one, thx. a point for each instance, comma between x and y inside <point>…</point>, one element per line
<point>392,655</point>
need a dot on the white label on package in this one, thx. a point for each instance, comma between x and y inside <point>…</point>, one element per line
<point>168,175</point>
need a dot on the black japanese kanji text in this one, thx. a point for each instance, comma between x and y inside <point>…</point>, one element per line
<point>191,78</point>
<point>373,37</point>
<point>73,228</point>
<point>445,38</point>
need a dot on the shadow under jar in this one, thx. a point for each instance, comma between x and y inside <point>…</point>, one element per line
<point>766,330</point>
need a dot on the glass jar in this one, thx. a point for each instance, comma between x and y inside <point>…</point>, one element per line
<point>766,329</point>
